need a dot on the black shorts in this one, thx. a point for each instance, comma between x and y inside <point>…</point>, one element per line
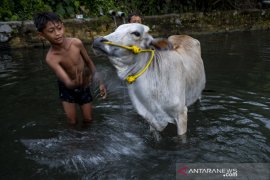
<point>77,95</point>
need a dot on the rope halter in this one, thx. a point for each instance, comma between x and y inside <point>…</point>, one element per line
<point>136,50</point>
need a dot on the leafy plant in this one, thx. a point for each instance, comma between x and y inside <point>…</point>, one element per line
<point>24,9</point>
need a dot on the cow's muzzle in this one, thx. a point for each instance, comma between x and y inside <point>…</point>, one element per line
<point>99,41</point>
<point>98,45</point>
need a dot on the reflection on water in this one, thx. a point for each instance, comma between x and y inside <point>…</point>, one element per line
<point>230,124</point>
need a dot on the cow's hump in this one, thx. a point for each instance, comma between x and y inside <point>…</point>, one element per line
<point>183,43</point>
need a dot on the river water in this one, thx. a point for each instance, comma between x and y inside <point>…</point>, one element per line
<point>230,124</point>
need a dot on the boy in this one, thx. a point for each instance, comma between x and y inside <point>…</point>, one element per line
<point>69,60</point>
<point>134,18</point>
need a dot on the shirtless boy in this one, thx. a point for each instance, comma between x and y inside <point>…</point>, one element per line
<point>69,60</point>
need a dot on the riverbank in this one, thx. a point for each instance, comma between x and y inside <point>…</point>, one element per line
<point>22,34</point>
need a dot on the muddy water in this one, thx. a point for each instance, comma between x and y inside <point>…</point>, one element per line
<point>230,124</point>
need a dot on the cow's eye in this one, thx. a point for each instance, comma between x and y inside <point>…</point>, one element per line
<point>136,33</point>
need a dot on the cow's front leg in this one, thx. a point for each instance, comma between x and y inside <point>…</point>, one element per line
<point>181,122</point>
<point>155,133</point>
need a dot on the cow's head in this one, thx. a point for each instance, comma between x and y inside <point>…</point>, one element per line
<point>128,35</point>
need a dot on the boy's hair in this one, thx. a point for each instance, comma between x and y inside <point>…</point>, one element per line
<point>41,19</point>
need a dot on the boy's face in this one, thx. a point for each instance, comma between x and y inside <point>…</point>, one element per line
<point>135,19</point>
<point>54,32</point>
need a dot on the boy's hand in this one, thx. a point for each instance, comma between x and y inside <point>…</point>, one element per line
<point>103,91</point>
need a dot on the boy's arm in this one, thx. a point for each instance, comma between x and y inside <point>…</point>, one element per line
<point>62,75</point>
<point>88,61</point>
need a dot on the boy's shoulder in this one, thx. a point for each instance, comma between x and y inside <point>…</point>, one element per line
<point>75,40</point>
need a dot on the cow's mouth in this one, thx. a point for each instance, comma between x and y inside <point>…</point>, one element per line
<point>99,50</point>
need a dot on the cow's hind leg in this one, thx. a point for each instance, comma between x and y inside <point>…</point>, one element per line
<point>181,122</point>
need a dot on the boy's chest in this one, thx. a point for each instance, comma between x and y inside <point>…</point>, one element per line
<point>70,58</point>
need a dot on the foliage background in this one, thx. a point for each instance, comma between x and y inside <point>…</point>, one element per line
<point>11,10</point>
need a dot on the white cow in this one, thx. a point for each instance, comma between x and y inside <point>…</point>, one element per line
<point>167,83</point>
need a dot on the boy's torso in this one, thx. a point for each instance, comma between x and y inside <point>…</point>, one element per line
<point>69,58</point>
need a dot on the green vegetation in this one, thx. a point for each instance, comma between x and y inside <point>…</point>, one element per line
<point>24,9</point>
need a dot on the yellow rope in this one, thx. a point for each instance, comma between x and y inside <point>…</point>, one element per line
<point>136,50</point>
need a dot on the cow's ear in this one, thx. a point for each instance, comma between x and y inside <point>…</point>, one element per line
<point>162,44</point>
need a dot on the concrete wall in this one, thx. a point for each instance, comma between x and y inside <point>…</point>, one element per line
<point>22,34</point>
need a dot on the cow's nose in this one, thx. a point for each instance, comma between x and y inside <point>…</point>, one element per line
<point>98,42</point>
<point>103,40</point>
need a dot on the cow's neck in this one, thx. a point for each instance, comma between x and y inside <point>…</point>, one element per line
<point>140,61</point>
